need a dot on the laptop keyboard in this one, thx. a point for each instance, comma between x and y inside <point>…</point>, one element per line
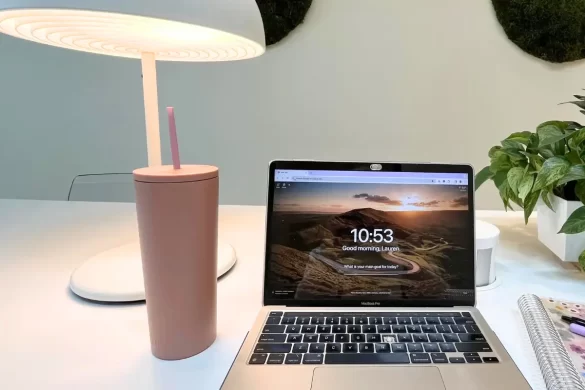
<point>371,338</point>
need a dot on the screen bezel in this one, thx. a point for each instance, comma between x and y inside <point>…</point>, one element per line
<point>366,167</point>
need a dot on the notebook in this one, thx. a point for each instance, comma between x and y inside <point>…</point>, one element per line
<point>560,353</point>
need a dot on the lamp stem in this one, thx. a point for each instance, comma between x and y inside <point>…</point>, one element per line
<point>151,109</point>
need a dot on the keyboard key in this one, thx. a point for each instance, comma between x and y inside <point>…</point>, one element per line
<point>473,360</point>
<point>358,338</point>
<point>464,321</point>
<point>390,321</point>
<point>324,329</point>
<point>384,329</point>
<point>303,321</point>
<point>428,329</point>
<point>310,338</point>
<point>272,347</point>
<point>436,338</point>
<point>294,338</point>
<point>373,338</point>
<point>471,354</point>
<point>439,358</point>
<point>272,338</point>
<point>273,321</point>
<point>413,328</point>
<point>398,348</point>
<point>346,320</point>
<point>326,338</point>
<point>419,321</point>
<point>308,329</point>
<point>376,321</point>
<point>404,338</point>
<point>313,358</point>
<point>342,338</point>
<point>433,320</point>
<point>473,347</point>
<point>274,329</point>
<point>472,329</point>
<point>382,347</point>
<point>414,347</point>
<point>489,359</point>
<point>431,347</point>
<point>366,348</point>
<point>361,320</point>
<point>293,358</point>
<point>443,329</point>
<point>339,329</point>
<point>293,329</point>
<point>300,348</point>
<point>367,358</point>
<point>275,358</point>
<point>350,348</point>
<point>332,321</point>
<point>317,348</point>
<point>317,320</point>
<point>354,329</point>
<point>403,320</point>
<point>389,338</point>
<point>275,314</point>
<point>456,360</point>
<point>398,329</point>
<point>471,337</point>
<point>258,358</point>
<point>369,329</point>
<point>420,358</point>
<point>451,338</point>
<point>466,314</point>
<point>458,329</point>
<point>333,348</point>
<point>288,320</point>
<point>447,347</point>
<point>420,338</point>
<point>446,320</point>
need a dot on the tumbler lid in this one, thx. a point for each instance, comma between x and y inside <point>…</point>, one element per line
<point>167,174</point>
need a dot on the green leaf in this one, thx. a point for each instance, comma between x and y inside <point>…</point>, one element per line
<point>511,144</point>
<point>535,160</point>
<point>579,104</point>
<point>573,157</point>
<point>533,141</point>
<point>547,152</point>
<point>544,195</point>
<point>493,150</point>
<point>573,125</point>
<point>550,133</point>
<point>575,223</point>
<point>580,190</point>
<point>552,170</point>
<point>500,163</point>
<point>523,137</point>
<point>482,176</point>
<point>582,261</point>
<point>529,204</point>
<point>525,186</point>
<point>578,138</point>
<point>500,178</point>
<point>576,172</point>
<point>560,124</point>
<point>515,155</point>
<point>514,177</point>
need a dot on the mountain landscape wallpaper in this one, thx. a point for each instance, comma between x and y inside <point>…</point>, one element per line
<point>315,255</point>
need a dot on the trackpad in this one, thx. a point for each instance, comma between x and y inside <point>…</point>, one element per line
<point>361,378</point>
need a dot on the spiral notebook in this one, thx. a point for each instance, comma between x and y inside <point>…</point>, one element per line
<point>560,353</point>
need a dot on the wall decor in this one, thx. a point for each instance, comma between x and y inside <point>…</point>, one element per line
<point>550,30</point>
<point>281,17</point>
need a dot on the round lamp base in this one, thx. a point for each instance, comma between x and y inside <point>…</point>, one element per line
<point>116,275</point>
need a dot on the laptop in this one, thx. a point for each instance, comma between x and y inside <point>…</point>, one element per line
<point>370,283</point>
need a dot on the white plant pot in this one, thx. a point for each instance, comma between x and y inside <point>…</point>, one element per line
<point>487,237</point>
<point>567,247</point>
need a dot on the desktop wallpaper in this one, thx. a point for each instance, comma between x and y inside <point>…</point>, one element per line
<point>369,241</point>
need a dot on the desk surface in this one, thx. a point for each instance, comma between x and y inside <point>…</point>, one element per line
<point>50,339</point>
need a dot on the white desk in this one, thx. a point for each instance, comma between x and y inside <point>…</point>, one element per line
<point>50,339</point>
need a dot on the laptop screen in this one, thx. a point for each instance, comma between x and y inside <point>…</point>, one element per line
<point>370,238</point>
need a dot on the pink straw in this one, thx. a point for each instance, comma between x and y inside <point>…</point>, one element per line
<point>174,140</point>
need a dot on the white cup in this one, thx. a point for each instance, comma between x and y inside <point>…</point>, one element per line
<point>487,237</point>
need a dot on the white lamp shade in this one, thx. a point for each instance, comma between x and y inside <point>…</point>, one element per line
<point>174,30</point>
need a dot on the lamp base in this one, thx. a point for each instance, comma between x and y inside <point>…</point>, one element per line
<point>116,275</point>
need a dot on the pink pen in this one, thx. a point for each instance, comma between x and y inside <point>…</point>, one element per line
<point>577,329</point>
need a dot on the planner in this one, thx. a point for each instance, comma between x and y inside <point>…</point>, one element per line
<point>560,353</point>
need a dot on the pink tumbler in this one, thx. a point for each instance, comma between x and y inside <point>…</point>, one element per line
<point>177,221</point>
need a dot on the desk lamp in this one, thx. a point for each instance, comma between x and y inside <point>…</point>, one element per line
<point>149,30</point>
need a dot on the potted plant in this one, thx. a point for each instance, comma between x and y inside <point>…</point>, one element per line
<point>545,168</point>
